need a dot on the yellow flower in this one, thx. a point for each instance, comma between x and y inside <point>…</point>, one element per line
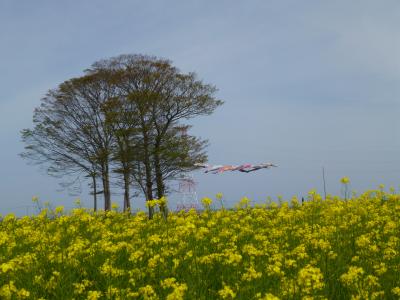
<point>162,201</point>
<point>251,274</point>
<point>345,180</point>
<point>7,290</point>
<point>93,295</point>
<point>151,203</point>
<point>206,202</point>
<point>363,241</point>
<point>310,278</point>
<point>168,282</point>
<point>148,292</point>
<point>233,258</point>
<point>155,239</point>
<point>59,209</point>
<point>178,289</point>
<point>269,296</point>
<point>396,291</point>
<point>353,275</point>
<point>226,292</point>
<point>5,267</point>
<point>22,294</point>
<point>380,269</point>
<point>243,203</point>
<point>178,293</point>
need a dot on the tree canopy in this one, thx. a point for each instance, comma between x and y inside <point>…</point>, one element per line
<point>124,117</point>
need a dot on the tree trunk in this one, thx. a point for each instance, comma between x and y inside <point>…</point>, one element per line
<point>106,187</point>
<point>94,192</point>
<point>160,183</point>
<point>147,166</point>
<point>127,204</point>
<point>159,177</point>
<point>149,187</point>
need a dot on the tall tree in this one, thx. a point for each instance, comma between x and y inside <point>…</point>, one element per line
<point>163,97</point>
<point>123,119</point>
<point>70,133</point>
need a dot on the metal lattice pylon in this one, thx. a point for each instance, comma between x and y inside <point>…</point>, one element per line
<point>188,194</point>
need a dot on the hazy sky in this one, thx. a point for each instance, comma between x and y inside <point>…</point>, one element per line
<point>306,84</point>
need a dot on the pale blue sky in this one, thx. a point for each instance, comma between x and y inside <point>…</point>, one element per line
<point>306,83</point>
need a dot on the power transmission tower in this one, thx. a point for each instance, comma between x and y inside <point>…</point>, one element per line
<point>187,194</point>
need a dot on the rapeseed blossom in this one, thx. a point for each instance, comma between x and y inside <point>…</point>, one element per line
<point>206,202</point>
<point>345,180</point>
<point>227,293</point>
<point>321,249</point>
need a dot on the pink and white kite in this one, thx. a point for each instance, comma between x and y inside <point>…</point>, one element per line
<point>246,168</point>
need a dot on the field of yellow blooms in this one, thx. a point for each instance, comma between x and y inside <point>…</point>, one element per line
<point>323,249</point>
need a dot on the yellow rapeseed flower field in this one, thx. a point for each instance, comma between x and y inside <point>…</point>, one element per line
<point>322,249</point>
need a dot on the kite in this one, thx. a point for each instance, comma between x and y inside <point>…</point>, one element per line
<point>209,168</point>
<point>246,168</point>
